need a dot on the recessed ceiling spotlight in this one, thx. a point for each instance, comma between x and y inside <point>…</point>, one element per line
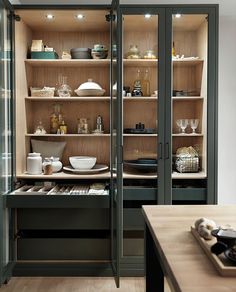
<point>50,16</point>
<point>147,15</point>
<point>178,15</point>
<point>79,16</point>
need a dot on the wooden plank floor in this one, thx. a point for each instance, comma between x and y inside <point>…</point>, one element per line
<point>72,284</point>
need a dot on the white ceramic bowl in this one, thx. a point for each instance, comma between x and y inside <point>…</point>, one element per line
<point>82,162</point>
<point>90,88</point>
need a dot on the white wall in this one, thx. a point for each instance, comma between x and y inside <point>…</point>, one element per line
<point>227,85</point>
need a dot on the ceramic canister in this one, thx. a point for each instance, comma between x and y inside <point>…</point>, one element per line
<point>34,163</point>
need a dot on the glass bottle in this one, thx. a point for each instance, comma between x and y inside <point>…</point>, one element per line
<point>137,91</point>
<point>173,50</point>
<point>54,119</point>
<point>146,84</point>
<point>63,127</point>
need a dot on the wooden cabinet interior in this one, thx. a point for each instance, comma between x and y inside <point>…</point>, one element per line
<point>62,33</point>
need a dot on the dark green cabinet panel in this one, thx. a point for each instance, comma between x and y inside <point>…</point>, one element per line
<point>93,219</point>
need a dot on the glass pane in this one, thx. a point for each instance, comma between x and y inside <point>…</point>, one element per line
<point>140,123</point>
<point>5,124</point>
<point>114,166</point>
<point>189,101</point>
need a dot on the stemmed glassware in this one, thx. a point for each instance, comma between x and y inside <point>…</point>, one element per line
<point>194,124</point>
<point>182,124</point>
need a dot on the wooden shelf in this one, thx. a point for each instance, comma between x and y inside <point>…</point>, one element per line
<point>140,135</point>
<point>129,175</point>
<point>69,99</point>
<point>176,98</point>
<point>68,63</point>
<point>154,62</point>
<point>187,135</point>
<point>141,98</point>
<point>68,135</point>
<point>65,175</point>
<point>197,175</point>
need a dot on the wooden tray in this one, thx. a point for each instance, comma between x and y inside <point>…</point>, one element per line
<point>224,266</point>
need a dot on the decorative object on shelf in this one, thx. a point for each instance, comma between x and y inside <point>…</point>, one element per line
<point>97,168</point>
<point>90,88</point>
<point>80,53</point>
<point>133,52</point>
<point>37,46</point>
<point>99,126</point>
<point>173,49</point>
<point>63,127</point>
<point>137,91</point>
<point>139,129</point>
<point>187,160</point>
<point>42,92</point>
<point>99,52</point>
<point>155,93</point>
<point>65,55</point>
<point>142,164</point>
<point>64,90</point>
<point>47,166</point>
<point>149,54</point>
<point>194,124</point>
<point>127,90</point>
<point>54,162</point>
<point>34,163</point>
<point>186,93</point>
<point>82,162</point>
<point>39,130</point>
<point>145,84</point>
<point>48,148</point>
<point>182,124</point>
<point>83,126</point>
<point>56,119</point>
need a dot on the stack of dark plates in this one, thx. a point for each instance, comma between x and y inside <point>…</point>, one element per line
<point>142,164</point>
<point>139,131</point>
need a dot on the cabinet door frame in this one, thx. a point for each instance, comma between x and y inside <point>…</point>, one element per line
<point>212,97</point>
<point>7,251</point>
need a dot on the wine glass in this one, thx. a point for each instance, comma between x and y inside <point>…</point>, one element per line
<point>194,124</point>
<point>182,123</point>
<point>178,123</point>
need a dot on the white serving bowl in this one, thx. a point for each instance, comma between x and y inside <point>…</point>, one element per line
<point>82,162</point>
<point>90,88</point>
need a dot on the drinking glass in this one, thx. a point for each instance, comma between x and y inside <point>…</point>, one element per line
<point>182,124</point>
<point>194,124</point>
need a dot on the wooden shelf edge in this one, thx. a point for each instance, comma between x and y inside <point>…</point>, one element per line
<point>64,175</point>
<point>67,63</point>
<point>68,135</point>
<point>68,99</point>
<point>194,175</point>
<point>187,135</point>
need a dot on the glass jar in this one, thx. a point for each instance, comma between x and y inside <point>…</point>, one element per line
<point>34,163</point>
<point>64,89</point>
<point>54,162</point>
<point>83,126</point>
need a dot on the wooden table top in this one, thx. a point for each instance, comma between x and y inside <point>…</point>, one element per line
<point>188,268</point>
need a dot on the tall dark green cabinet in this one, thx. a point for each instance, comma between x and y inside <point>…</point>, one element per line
<point>158,143</point>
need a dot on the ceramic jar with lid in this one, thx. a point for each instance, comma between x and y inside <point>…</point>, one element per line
<point>55,163</point>
<point>34,163</point>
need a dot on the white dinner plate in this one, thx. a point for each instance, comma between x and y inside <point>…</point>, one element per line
<point>96,168</point>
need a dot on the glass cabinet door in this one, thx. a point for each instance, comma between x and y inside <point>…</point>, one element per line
<point>190,100</point>
<point>6,126</point>
<point>114,165</point>
<point>142,129</point>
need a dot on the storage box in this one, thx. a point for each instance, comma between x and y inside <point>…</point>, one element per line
<point>44,55</point>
